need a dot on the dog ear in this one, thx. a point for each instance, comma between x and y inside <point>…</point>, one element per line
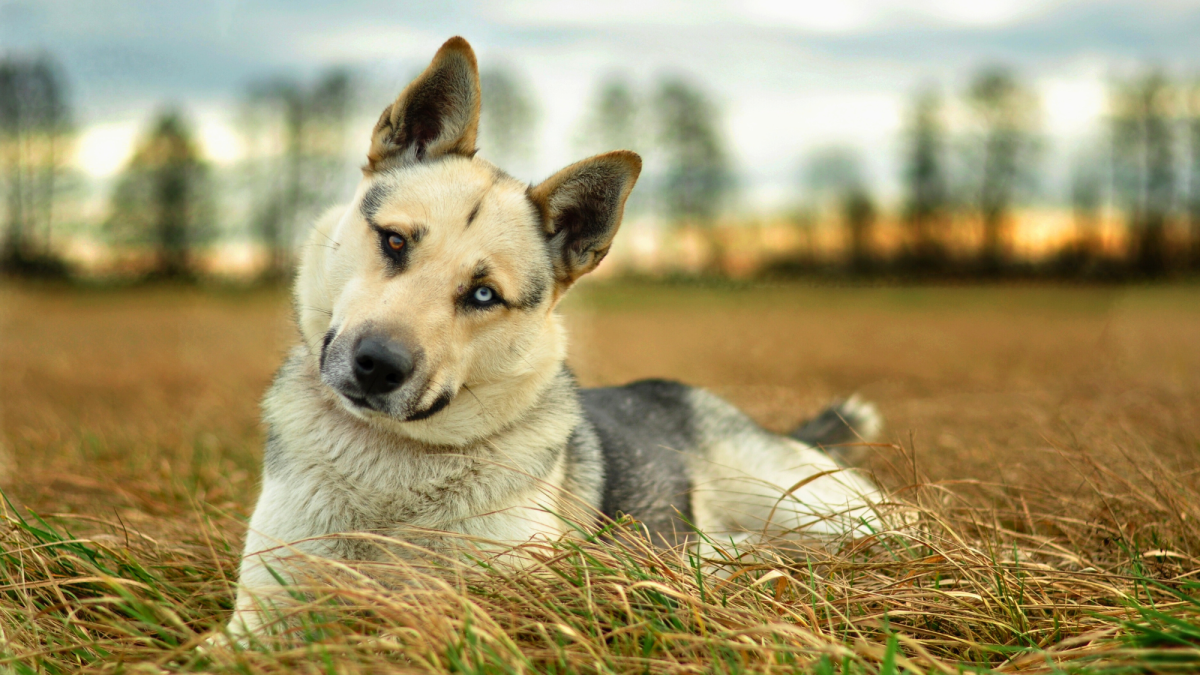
<point>437,114</point>
<point>581,208</point>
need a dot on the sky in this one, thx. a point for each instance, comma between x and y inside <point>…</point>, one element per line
<point>788,78</point>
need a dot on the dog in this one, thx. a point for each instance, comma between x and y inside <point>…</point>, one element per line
<point>428,399</point>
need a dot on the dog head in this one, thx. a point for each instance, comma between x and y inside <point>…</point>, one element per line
<point>428,302</point>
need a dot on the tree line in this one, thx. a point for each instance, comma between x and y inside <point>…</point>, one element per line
<point>169,200</point>
<point>1146,168</point>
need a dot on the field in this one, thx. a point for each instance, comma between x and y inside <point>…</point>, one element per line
<point>1042,448</point>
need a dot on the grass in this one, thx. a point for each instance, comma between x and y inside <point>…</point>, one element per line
<point>1057,533</point>
<point>951,588</point>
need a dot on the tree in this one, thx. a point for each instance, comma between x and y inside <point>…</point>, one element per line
<point>1087,197</point>
<point>507,121</point>
<point>698,178</point>
<point>612,123</point>
<point>925,179</point>
<point>1005,113</point>
<point>832,171</point>
<point>858,212</point>
<point>836,175</point>
<point>296,140</point>
<point>35,128</point>
<point>1144,164</point>
<point>1194,186</point>
<point>163,196</point>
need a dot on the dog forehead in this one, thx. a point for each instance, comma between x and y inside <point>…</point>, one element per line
<point>498,237</point>
<point>460,213</point>
<point>450,194</point>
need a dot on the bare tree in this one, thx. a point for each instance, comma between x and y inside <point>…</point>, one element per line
<point>615,122</point>
<point>508,119</point>
<point>698,178</point>
<point>612,122</point>
<point>163,197</point>
<point>925,179</point>
<point>296,136</point>
<point>35,128</point>
<point>1144,170</point>
<point>1194,183</point>
<point>836,175</point>
<point>858,212</point>
<point>831,171</point>
<point>1006,112</point>
<point>1087,197</point>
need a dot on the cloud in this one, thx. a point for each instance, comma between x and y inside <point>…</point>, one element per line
<point>787,76</point>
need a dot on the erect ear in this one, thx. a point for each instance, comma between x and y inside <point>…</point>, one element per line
<point>437,114</point>
<point>581,207</point>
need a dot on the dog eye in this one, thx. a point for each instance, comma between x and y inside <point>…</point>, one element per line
<point>483,297</point>
<point>394,246</point>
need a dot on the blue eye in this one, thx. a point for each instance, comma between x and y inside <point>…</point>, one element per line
<point>480,297</point>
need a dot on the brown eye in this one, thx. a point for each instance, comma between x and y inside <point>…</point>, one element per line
<point>395,242</point>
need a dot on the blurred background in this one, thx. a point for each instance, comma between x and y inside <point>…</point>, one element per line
<point>983,216</point>
<point>871,138</point>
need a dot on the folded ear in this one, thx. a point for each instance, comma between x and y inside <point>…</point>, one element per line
<point>437,114</point>
<point>582,207</point>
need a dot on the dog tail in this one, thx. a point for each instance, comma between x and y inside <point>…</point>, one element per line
<point>839,427</point>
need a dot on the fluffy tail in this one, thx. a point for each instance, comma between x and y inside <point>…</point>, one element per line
<point>837,428</point>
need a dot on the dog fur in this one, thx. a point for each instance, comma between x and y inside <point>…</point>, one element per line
<point>444,273</point>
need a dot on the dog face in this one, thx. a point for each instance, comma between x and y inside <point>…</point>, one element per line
<point>428,303</point>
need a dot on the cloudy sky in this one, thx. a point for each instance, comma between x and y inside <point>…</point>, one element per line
<point>789,77</point>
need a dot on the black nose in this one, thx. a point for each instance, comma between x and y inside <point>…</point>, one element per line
<point>381,365</point>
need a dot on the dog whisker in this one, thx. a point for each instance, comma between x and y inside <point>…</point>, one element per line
<point>335,243</point>
<point>482,407</point>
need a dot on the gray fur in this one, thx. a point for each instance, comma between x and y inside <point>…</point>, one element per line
<point>842,430</point>
<point>652,434</point>
<point>645,428</point>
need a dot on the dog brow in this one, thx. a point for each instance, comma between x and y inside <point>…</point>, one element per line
<point>481,271</point>
<point>474,212</point>
<point>372,201</point>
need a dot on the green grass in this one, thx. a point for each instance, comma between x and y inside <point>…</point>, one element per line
<point>946,589</point>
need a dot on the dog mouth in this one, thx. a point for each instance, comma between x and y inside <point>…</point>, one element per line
<point>358,402</point>
<point>434,408</point>
<point>362,403</point>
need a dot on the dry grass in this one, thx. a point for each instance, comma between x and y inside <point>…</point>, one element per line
<point>1050,516</point>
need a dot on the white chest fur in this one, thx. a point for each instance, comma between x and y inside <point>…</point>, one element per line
<point>327,473</point>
